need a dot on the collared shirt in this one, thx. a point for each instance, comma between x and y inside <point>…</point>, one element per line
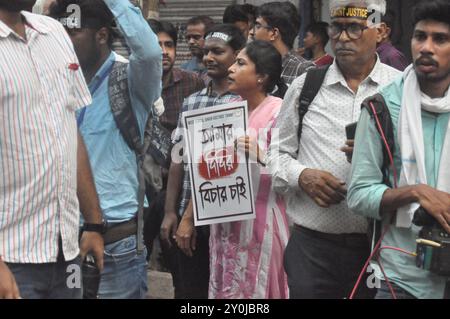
<point>366,191</point>
<point>199,100</point>
<point>293,66</point>
<point>181,85</point>
<point>323,134</point>
<point>113,162</point>
<point>41,86</point>
<point>391,56</point>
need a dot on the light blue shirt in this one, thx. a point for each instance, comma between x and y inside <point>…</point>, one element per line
<point>113,162</point>
<point>366,191</point>
<point>193,65</point>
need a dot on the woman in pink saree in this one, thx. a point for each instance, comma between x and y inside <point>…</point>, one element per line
<point>246,257</point>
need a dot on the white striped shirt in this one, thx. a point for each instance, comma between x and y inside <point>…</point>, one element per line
<point>40,89</point>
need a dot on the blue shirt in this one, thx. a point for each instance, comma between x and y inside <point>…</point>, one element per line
<point>193,65</point>
<point>366,191</point>
<point>113,162</point>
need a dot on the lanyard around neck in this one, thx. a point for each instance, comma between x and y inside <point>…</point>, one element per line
<point>94,89</point>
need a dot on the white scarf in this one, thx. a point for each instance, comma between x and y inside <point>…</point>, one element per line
<point>412,144</point>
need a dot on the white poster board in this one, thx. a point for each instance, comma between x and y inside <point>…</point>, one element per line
<point>220,176</point>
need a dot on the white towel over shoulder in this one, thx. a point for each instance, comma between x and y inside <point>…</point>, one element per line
<point>412,144</point>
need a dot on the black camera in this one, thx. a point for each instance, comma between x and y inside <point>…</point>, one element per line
<point>91,278</point>
<point>433,245</point>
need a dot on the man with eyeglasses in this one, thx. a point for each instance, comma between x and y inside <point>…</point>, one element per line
<point>328,246</point>
<point>196,28</point>
<point>278,23</point>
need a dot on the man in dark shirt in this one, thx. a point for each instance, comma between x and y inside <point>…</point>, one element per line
<point>177,84</point>
<point>278,23</point>
<point>389,54</point>
<point>196,28</point>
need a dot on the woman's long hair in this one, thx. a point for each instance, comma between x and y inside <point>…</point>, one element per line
<point>267,61</point>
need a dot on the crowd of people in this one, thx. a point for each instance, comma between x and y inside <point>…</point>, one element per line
<point>345,148</point>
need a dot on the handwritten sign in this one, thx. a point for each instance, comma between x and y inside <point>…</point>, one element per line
<point>220,175</point>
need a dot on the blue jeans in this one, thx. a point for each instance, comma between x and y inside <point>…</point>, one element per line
<point>385,293</point>
<point>59,280</point>
<point>124,274</point>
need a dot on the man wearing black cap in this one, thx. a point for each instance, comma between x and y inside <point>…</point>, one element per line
<point>114,163</point>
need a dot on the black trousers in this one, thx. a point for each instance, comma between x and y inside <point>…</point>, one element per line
<point>326,266</point>
<point>190,274</point>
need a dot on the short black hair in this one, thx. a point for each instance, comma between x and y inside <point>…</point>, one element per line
<point>251,11</point>
<point>437,10</point>
<point>205,20</point>
<point>164,26</point>
<point>389,20</point>
<point>283,16</point>
<point>320,30</point>
<point>267,61</point>
<point>235,13</point>
<point>94,13</point>
<point>237,41</point>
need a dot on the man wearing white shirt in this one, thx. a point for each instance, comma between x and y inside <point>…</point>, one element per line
<point>46,178</point>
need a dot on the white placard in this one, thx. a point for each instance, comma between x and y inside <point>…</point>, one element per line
<point>220,175</point>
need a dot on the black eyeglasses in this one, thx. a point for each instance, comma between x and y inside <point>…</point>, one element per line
<point>354,30</point>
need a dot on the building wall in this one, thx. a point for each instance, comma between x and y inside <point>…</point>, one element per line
<point>260,2</point>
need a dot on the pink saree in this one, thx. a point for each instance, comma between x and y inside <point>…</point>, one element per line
<point>246,257</point>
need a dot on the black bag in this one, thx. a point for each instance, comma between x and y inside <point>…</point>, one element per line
<point>384,116</point>
<point>312,85</point>
<point>385,119</point>
<point>126,122</point>
<point>158,141</point>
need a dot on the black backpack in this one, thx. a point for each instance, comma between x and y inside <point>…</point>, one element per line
<point>312,85</point>
<point>381,113</point>
<point>384,116</point>
<point>147,162</point>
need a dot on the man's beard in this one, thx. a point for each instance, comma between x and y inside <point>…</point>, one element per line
<point>16,5</point>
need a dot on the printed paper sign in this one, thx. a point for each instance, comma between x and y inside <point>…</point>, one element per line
<point>220,175</point>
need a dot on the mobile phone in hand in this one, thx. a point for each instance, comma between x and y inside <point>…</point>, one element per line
<point>350,131</point>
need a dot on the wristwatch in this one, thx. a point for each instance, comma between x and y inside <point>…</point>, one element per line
<point>98,228</point>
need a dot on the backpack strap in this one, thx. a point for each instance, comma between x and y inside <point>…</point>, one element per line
<point>128,126</point>
<point>121,107</point>
<point>312,85</point>
<point>384,116</point>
